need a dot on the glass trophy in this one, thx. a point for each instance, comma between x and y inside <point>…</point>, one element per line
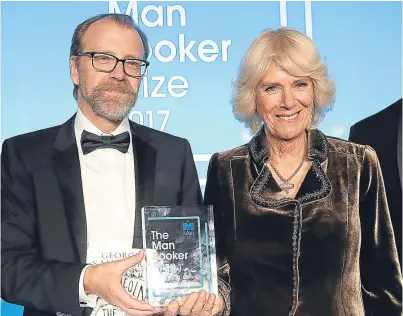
<point>180,252</point>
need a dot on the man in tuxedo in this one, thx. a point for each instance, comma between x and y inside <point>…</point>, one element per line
<point>383,132</point>
<point>81,185</point>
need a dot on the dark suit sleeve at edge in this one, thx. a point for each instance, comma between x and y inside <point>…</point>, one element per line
<point>27,278</point>
<point>190,190</point>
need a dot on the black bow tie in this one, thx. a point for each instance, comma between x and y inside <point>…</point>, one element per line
<point>91,142</point>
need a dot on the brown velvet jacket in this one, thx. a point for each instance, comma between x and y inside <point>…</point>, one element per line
<point>328,252</point>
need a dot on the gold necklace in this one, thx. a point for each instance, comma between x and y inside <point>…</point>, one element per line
<point>286,186</point>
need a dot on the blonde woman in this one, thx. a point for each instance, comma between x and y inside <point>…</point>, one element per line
<point>302,220</point>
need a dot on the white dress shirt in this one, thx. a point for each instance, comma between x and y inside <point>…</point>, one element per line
<point>108,182</point>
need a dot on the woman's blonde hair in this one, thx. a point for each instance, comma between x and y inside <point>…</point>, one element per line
<point>296,54</point>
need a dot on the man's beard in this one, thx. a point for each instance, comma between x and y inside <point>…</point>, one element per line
<point>113,107</point>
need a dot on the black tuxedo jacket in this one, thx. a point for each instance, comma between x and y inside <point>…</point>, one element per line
<point>44,232</point>
<point>381,132</point>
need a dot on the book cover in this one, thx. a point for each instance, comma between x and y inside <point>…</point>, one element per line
<point>133,279</point>
<point>180,252</point>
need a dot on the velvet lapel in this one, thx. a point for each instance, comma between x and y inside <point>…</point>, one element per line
<point>316,185</point>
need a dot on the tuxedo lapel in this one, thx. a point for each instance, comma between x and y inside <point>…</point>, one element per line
<point>145,157</point>
<point>67,167</point>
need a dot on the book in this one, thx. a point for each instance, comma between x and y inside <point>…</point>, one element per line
<point>133,279</point>
<point>180,252</point>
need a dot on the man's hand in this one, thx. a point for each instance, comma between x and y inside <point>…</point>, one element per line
<point>104,280</point>
<point>197,304</point>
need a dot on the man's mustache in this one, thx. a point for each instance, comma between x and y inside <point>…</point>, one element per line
<point>123,88</point>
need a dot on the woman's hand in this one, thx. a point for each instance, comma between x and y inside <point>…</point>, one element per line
<point>197,304</point>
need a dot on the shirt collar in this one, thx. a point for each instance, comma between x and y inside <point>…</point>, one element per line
<point>82,123</point>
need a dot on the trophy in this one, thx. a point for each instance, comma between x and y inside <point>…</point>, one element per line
<point>180,252</point>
